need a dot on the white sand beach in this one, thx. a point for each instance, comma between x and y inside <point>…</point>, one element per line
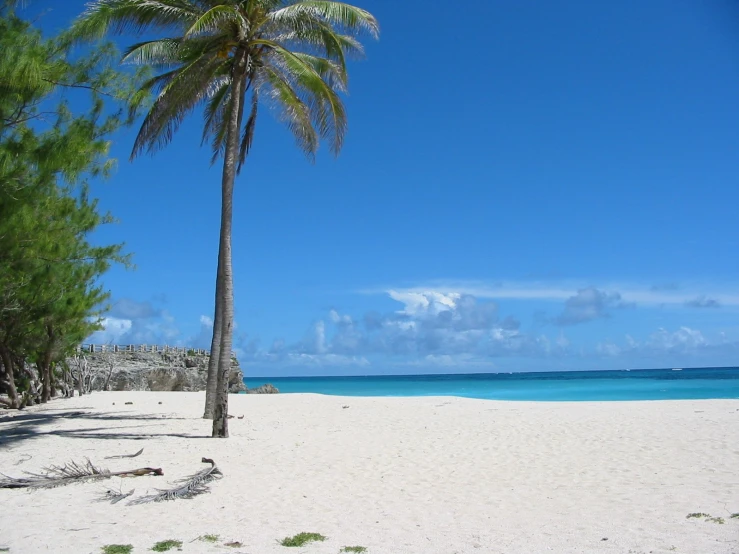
<point>395,475</point>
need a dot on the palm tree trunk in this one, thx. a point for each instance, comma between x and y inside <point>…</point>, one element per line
<point>215,350</point>
<point>225,276</point>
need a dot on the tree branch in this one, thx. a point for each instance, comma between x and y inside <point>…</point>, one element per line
<point>87,87</point>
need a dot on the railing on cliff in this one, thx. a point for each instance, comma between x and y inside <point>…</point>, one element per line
<point>82,348</point>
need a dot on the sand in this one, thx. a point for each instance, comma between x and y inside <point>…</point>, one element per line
<point>395,475</point>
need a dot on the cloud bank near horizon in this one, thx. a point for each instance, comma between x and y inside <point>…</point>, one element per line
<point>445,329</point>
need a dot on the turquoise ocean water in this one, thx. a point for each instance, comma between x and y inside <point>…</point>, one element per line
<point>652,384</point>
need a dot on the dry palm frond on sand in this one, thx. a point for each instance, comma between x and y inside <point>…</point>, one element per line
<point>188,487</point>
<point>70,473</point>
<point>125,455</point>
<point>114,496</point>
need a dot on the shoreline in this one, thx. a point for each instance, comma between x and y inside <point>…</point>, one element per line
<point>394,474</point>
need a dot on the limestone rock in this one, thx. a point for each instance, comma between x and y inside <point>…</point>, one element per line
<point>264,389</point>
<point>158,371</point>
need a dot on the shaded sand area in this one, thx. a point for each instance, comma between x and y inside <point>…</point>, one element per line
<point>395,475</point>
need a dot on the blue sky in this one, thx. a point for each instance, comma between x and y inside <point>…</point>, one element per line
<point>524,186</point>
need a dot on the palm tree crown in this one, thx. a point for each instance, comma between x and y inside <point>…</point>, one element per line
<point>293,55</point>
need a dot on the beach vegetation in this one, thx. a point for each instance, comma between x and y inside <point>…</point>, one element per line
<point>228,57</point>
<point>117,549</point>
<point>165,546</point>
<point>302,539</point>
<point>354,549</point>
<point>734,516</point>
<point>697,515</point>
<point>718,520</point>
<point>58,110</point>
<point>208,538</point>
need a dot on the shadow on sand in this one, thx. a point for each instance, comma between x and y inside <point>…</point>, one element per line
<point>17,427</point>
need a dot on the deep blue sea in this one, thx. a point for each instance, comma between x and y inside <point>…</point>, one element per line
<point>651,384</point>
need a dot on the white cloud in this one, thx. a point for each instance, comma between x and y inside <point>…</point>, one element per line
<point>428,302</point>
<point>280,357</point>
<point>206,321</point>
<point>113,330</point>
<point>448,361</point>
<point>608,348</point>
<point>320,337</point>
<point>339,319</point>
<point>552,291</point>
<point>588,304</point>
<point>327,359</point>
<point>684,338</point>
<point>562,341</point>
<point>664,343</point>
<point>125,308</point>
<point>703,301</point>
<point>160,330</point>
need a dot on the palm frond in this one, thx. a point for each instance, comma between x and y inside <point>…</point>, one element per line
<point>326,109</point>
<point>173,51</point>
<point>322,40</point>
<point>56,476</point>
<point>214,20</point>
<point>330,72</point>
<point>214,114</point>
<point>186,88</point>
<point>160,52</point>
<point>188,487</point>
<point>248,136</point>
<point>338,14</point>
<point>70,473</point>
<point>114,496</point>
<point>134,455</point>
<point>293,111</point>
<point>133,16</point>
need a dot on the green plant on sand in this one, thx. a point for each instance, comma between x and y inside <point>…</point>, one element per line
<point>164,546</point>
<point>117,549</point>
<point>697,515</point>
<point>302,538</point>
<point>734,516</point>
<point>354,549</point>
<point>208,538</point>
<point>718,520</point>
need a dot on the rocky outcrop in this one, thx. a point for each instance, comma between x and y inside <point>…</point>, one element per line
<point>264,389</point>
<point>157,371</point>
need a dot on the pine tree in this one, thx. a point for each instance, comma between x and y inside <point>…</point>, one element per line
<point>50,295</point>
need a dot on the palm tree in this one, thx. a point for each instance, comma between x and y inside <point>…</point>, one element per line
<point>289,53</point>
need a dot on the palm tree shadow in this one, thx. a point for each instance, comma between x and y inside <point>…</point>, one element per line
<point>16,428</point>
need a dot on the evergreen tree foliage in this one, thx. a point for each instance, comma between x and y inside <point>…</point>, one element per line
<point>58,109</point>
